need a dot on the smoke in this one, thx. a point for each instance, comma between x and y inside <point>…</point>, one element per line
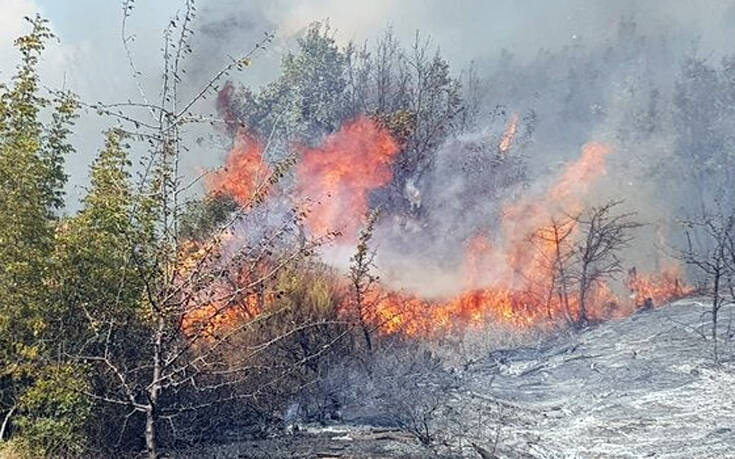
<point>480,29</point>
<point>552,77</point>
<point>90,59</point>
<point>574,71</point>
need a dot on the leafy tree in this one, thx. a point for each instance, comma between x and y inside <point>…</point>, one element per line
<point>53,411</point>
<point>95,246</point>
<point>304,102</point>
<point>31,182</point>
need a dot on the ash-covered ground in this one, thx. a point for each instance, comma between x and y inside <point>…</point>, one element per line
<point>644,386</point>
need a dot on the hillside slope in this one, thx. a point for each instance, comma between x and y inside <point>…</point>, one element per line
<point>644,386</point>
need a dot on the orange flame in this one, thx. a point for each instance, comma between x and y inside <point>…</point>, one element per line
<point>342,172</point>
<point>518,275</point>
<point>244,172</point>
<point>657,288</point>
<point>509,278</point>
<point>510,132</point>
<point>213,305</point>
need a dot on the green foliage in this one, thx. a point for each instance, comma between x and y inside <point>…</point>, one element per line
<point>94,271</point>
<point>315,76</point>
<point>52,411</point>
<point>43,395</point>
<point>30,182</point>
<point>305,100</point>
<point>201,216</point>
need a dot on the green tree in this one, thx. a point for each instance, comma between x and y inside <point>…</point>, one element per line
<point>53,411</point>
<point>306,100</point>
<point>31,182</point>
<point>99,285</point>
<point>94,247</point>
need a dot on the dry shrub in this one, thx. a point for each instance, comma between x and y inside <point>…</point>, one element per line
<point>282,352</point>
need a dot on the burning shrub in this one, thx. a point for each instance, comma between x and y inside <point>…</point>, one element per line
<point>291,345</point>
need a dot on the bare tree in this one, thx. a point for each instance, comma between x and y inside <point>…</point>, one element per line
<point>198,298</point>
<point>710,249</point>
<point>603,235</point>
<point>557,235</point>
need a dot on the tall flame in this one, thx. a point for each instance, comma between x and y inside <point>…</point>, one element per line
<point>244,171</point>
<point>341,173</point>
<point>510,132</point>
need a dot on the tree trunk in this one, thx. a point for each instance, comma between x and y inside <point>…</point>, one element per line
<point>150,432</point>
<point>151,410</point>
<point>368,340</point>
<point>582,313</point>
<point>563,292</point>
<point>582,307</point>
<point>714,336</point>
<point>6,422</point>
<point>361,317</point>
<point>715,310</point>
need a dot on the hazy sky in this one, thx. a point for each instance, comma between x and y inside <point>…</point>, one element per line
<point>89,58</point>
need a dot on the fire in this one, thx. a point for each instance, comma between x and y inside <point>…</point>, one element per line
<point>578,177</point>
<point>221,315</point>
<point>512,276</point>
<point>658,288</point>
<point>219,306</point>
<point>341,173</point>
<point>409,315</point>
<point>531,216</point>
<point>244,172</point>
<point>520,271</point>
<point>507,138</point>
<point>214,304</point>
<point>476,260</point>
